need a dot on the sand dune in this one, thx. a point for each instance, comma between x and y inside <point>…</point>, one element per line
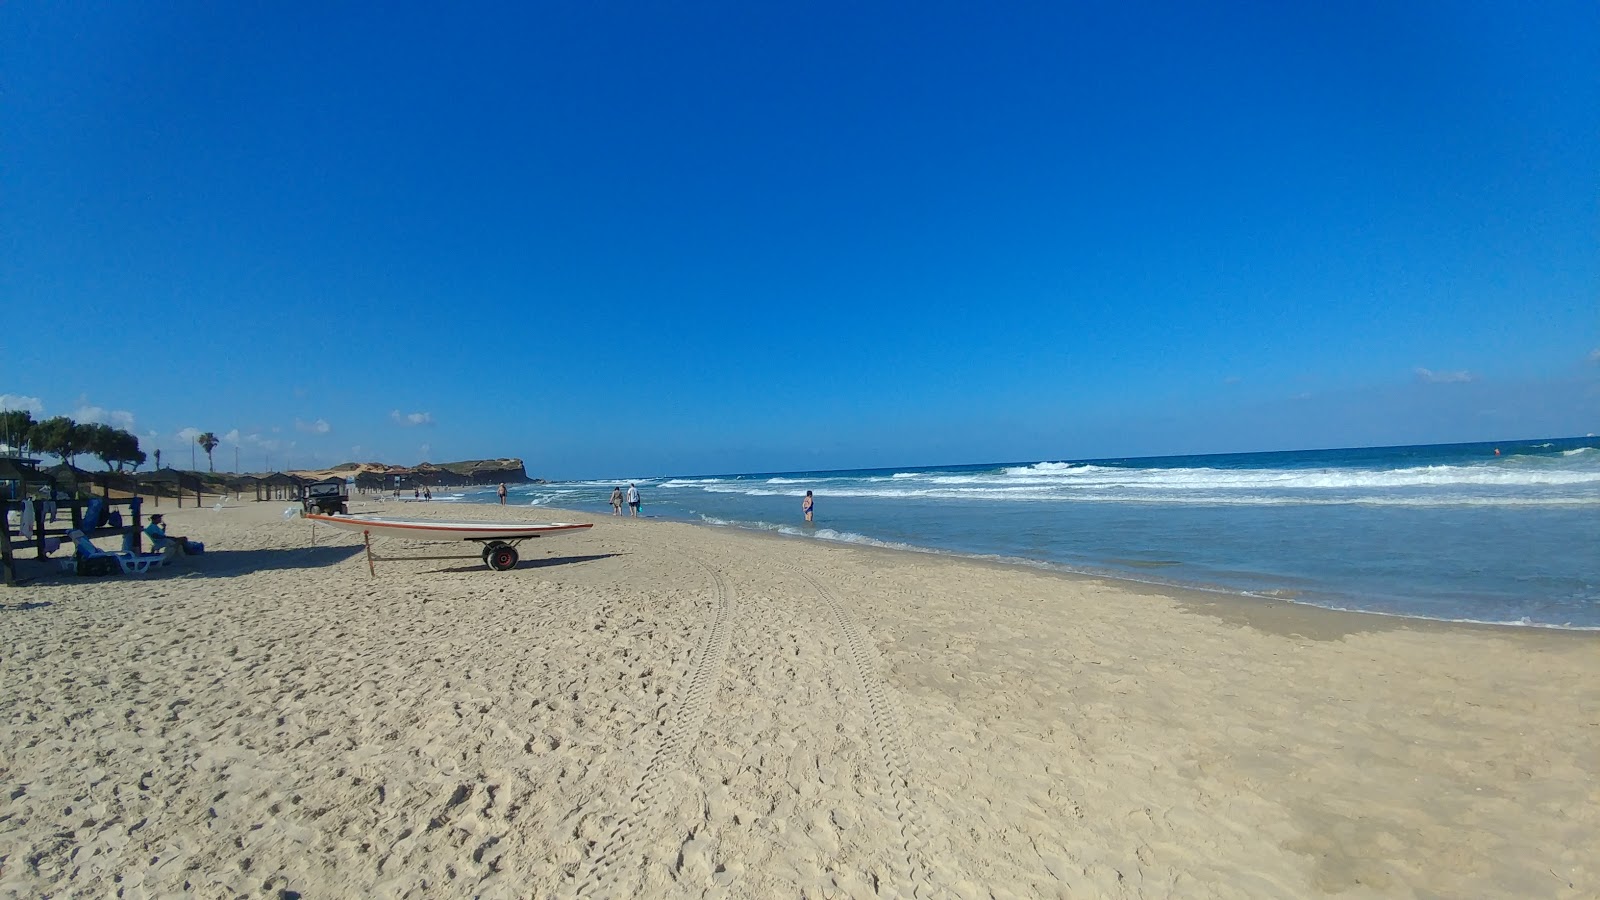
<point>660,710</point>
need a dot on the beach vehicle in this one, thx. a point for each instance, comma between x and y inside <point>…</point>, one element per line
<point>330,497</point>
<point>499,539</point>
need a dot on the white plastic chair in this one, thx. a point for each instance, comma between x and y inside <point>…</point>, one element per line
<point>129,563</point>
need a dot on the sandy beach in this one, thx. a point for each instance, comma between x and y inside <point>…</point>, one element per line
<point>654,709</point>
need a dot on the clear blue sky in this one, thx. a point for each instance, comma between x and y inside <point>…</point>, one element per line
<point>662,238</point>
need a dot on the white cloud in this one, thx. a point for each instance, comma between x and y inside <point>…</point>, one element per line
<point>119,418</point>
<point>320,426</point>
<point>188,435</point>
<point>1594,357</point>
<point>1428,376</point>
<point>19,402</point>
<point>411,420</point>
<point>251,441</point>
<point>425,449</point>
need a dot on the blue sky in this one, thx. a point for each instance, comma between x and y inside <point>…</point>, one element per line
<point>629,239</point>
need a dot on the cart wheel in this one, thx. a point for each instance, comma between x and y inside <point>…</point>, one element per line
<point>502,558</point>
<point>487,549</point>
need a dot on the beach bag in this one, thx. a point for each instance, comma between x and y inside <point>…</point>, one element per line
<point>193,548</point>
<point>96,565</point>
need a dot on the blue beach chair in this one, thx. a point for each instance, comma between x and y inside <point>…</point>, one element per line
<point>129,563</point>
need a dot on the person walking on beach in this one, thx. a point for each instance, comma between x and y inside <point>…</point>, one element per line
<point>616,500</point>
<point>633,500</point>
<point>502,493</point>
<point>807,505</point>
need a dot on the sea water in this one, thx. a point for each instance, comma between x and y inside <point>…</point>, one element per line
<point>1455,532</point>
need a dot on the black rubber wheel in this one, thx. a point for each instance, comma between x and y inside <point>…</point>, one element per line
<point>486,549</point>
<point>502,558</point>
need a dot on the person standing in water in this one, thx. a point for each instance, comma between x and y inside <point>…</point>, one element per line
<point>633,499</point>
<point>807,505</point>
<point>502,493</point>
<point>616,500</point>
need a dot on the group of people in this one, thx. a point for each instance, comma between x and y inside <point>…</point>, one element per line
<point>631,498</point>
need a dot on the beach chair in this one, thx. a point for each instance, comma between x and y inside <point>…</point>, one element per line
<point>129,563</point>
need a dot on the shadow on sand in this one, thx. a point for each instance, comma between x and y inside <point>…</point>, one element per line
<point>523,564</point>
<point>227,563</point>
<point>211,564</point>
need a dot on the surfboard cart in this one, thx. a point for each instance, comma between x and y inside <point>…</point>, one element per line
<point>500,541</point>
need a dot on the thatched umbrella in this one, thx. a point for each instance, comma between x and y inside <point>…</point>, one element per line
<point>122,481</point>
<point>177,480</point>
<point>290,484</point>
<point>18,474</point>
<point>238,484</point>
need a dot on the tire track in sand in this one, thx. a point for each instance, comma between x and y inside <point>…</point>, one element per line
<point>677,733</point>
<point>886,737</point>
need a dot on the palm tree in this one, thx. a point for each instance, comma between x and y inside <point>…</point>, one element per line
<point>158,459</point>
<point>208,442</point>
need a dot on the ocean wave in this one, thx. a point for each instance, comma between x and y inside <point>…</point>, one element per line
<point>1202,479</point>
<point>1046,468</point>
<point>1187,497</point>
<point>1579,451</point>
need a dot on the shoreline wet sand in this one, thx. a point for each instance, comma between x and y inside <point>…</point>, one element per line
<point>652,708</point>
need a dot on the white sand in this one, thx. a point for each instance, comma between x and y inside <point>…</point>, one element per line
<point>660,710</point>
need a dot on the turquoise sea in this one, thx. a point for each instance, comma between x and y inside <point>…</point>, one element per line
<point>1454,531</point>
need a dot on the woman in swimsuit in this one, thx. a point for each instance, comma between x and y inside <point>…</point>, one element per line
<point>806,505</point>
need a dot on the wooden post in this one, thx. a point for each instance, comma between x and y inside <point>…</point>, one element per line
<point>366,536</point>
<point>8,565</point>
<point>138,525</point>
<point>38,529</point>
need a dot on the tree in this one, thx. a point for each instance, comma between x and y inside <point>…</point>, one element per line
<point>100,440</point>
<point>81,439</point>
<point>14,427</point>
<point>116,447</point>
<point>53,436</point>
<point>158,459</point>
<point>128,450</point>
<point>208,442</point>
